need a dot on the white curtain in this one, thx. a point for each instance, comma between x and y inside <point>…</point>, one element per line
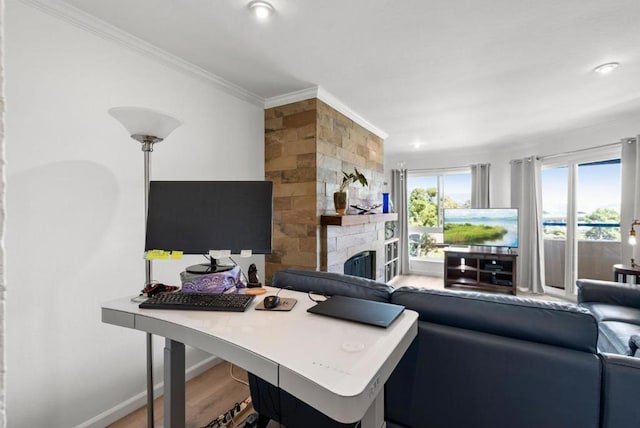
<point>630,206</point>
<point>480,185</point>
<point>526,195</point>
<point>399,198</point>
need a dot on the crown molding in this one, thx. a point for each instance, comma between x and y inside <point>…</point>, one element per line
<point>334,102</point>
<point>100,28</point>
<point>66,12</point>
<point>329,99</point>
<point>291,97</point>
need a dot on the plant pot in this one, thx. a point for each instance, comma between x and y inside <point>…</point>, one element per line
<point>340,202</point>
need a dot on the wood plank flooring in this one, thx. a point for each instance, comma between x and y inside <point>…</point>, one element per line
<point>208,395</point>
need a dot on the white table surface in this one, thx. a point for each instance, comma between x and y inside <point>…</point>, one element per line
<point>338,367</point>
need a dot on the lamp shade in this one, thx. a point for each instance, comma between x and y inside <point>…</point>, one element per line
<point>144,121</point>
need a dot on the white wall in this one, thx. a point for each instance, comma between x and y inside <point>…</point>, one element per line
<point>597,134</point>
<point>75,207</point>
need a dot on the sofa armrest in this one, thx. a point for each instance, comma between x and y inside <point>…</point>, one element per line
<point>614,293</point>
<point>620,391</point>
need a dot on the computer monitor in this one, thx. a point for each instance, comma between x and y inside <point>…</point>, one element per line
<point>198,216</point>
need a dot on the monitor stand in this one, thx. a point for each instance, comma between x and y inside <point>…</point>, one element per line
<point>211,267</point>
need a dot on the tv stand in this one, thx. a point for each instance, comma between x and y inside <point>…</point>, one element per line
<point>481,269</point>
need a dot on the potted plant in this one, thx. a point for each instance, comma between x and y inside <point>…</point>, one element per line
<point>341,197</point>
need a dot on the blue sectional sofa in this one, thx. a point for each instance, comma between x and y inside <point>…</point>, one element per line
<point>480,360</point>
<point>616,307</point>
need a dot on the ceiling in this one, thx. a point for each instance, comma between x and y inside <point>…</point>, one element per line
<point>432,74</point>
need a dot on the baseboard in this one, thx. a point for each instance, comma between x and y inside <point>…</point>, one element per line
<point>132,404</point>
<point>560,294</point>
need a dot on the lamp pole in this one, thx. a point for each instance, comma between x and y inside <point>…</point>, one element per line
<point>147,148</point>
<point>147,127</point>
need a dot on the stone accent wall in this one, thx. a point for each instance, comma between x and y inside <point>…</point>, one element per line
<point>290,162</point>
<point>342,146</point>
<point>307,146</point>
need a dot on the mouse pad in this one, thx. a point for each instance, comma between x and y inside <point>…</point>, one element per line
<point>286,304</point>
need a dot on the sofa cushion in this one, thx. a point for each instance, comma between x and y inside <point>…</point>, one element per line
<point>608,312</point>
<point>620,391</point>
<point>615,335</point>
<point>455,377</point>
<point>557,324</point>
<point>331,283</point>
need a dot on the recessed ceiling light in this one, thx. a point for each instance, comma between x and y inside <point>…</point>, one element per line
<point>606,68</point>
<point>261,9</point>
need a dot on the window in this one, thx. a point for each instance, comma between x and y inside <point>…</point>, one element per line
<point>581,218</point>
<point>428,195</point>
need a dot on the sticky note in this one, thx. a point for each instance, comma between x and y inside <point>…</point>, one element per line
<point>157,255</point>
<point>162,255</point>
<point>245,253</point>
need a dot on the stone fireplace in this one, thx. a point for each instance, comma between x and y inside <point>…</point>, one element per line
<point>307,146</point>
<point>346,236</point>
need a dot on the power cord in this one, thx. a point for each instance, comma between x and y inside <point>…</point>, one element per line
<point>311,293</point>
<point>235,378</point>
<point>227,419</point>
<point>151,289</point>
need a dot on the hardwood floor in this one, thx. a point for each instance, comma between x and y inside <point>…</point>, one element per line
<point>208,396</point>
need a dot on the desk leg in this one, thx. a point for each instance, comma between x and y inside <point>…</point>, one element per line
<point>174,387</point>
<point>374,418</point>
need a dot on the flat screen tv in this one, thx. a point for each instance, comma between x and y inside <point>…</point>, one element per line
<point>197,216</point>
<point>492,227</point>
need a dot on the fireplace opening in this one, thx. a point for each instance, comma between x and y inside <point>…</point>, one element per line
<point>362,264</point>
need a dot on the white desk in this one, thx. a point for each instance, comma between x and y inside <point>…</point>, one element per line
<point>338,367</point>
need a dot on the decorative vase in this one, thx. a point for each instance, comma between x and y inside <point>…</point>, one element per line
<point>340,202</point>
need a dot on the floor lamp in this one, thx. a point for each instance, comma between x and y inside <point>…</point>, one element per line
<point>148,127</point>
<point>633,240</point>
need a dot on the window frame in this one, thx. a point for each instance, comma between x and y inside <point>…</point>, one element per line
<point>439,173</point>
<point>573,160</point>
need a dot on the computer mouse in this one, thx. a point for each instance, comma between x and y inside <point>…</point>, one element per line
<point>271,302</point>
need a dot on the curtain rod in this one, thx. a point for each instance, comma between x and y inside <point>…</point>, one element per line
<point>604,146</point>
<point>450,169</point>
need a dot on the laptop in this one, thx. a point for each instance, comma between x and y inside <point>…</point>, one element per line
<point>359,310</point>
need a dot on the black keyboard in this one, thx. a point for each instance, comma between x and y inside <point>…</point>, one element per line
<point>198,302</point>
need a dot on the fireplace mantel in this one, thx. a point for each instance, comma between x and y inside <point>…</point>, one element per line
<point>351,220</point>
